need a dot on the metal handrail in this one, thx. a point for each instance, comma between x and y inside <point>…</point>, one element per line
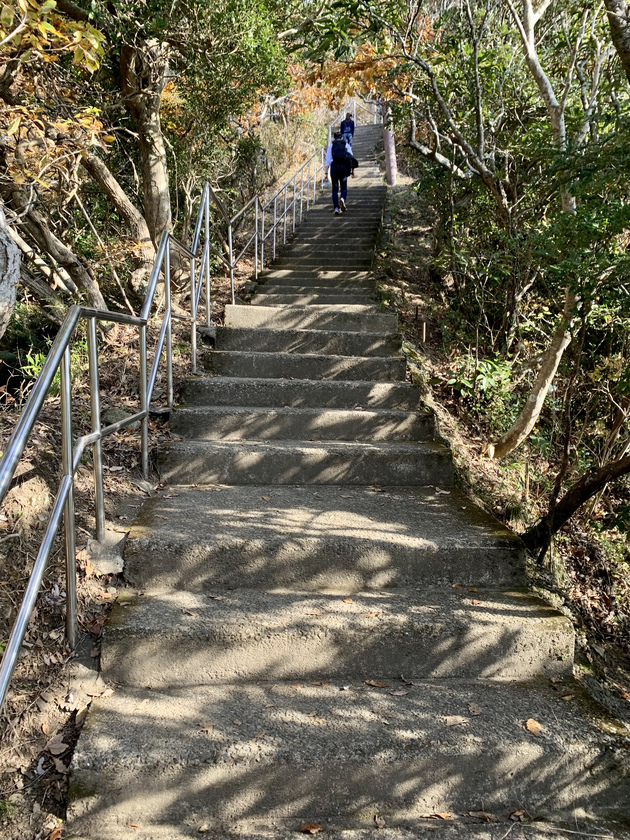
<point>58,359</point>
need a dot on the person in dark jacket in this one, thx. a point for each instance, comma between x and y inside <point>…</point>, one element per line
<point>339,162</point>
<point>347,129</point>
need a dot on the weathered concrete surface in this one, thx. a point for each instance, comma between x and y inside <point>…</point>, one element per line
<point>351,538</point>
<point>339,292</point>
<point>304,317</point>
<point>308,297</point>
<point>320,342</point>
<point>300,393</point>
<point>302,462</point>
<point>176,639</point>
<point>231,756</point>
<point>452,827</point>
<point>305,366</point>
<point>247,422</point>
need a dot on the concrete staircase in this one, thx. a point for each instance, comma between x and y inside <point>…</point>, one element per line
<point>322,629</point>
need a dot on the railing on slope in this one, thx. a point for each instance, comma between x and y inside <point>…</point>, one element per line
<point>58,360</point>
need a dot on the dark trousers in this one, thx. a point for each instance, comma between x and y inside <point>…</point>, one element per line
<point>339,177</point>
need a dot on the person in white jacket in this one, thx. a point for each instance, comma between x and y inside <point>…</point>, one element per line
<point>339,162</point>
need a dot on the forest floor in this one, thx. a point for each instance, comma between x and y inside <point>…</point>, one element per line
<point>589,583</point>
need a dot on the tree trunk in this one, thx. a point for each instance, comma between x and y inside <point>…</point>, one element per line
<point>539,536</point>
<point>35,224</point>
<point>619,20</point>
<point>132,216</point>
<point>9,273</point>
<point>143,75</point>
<point>526,420</point>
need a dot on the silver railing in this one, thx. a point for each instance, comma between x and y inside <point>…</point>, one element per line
<point>285,207</point>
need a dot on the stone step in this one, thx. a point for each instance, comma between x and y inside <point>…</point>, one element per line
<point>325,261</point>
<point>305,318</point>
<point>271,287</point>
<point>173,639</point>
<point>304,366</point>
<point>325,276</point>
<point>291,462</point>
<point>320,342</point>
<point>318,303</point>
<point>237,757</point>
<point>298,393</point>
<point>211,422</point>
<point>316,538</point>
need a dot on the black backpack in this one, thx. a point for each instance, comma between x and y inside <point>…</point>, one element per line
<point>339,151</point>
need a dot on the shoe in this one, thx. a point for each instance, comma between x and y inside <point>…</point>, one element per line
<point>337,211</point>
<point>342,204</point>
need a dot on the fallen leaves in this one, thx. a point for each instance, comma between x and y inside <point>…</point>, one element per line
<point>348,601</point>
<point>485,816</point>
<point>56,745</point>
<point>56,833</point>
<point>399,692</point>
<point>456,720</point>
<point>533,726</point>
<point>311,828</point>
<point>379,822</point>
<point>377,684</point>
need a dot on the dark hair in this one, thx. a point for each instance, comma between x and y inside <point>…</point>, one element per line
<point>337,135</point>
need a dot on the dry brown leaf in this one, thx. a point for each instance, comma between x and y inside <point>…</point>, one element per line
<point>472,588</point>
<point>442,815</point>
<point>348,601</point>
<point>475,603</point>
<point>323,682</point>
<point>266,498</point>
<point>297,686</point>
<point>311,828</point>
<point>568,696</point>
<point>56,745</point>
<point>377,684</point>
<point>135,826</point>
<point>191,612</point>
<point>485,816</point>
<point>474,709</point>
<point>218,597</point>
<point>56,833</point>
<point>60,767</point>
<point>533,726</point>
<point>457,586</point>
<point>108,692</point>
<point>376,614</point>
<point>46,728</point>
<point>456,720</point>
<point>142,703</point>
<point>399,692</point>
<point>379,822</point>
<point>260,734</point>
<point>516,816</point>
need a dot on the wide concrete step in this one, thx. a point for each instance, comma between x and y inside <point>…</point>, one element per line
<point>233,758</point>
<point>326,277</point>
<point>314,302</point>
<point>305,318</point>
<point>316,538</point>
<point>293,462</point>
<point>289,288</point>
<point>321,342</point>
<point>304,366</point>
<point>173,639</point>
<point>297,393</point>
<point>323,260</point>
<point>211,422</point>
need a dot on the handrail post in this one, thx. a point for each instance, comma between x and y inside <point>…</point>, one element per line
<point>193,316</point>
<point>169,330</point>
<point>231,262</point>
<point>97,448</point>
<point>302,196</point>
<point>207,272</point>
<point>308,186</point>
<point>284,215</point>
<point>294,197</point>
<point>68,513</point>
<point>256,244</point>
<point>143,402</point>
<point>262,242</point>
<point>275,224</point>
